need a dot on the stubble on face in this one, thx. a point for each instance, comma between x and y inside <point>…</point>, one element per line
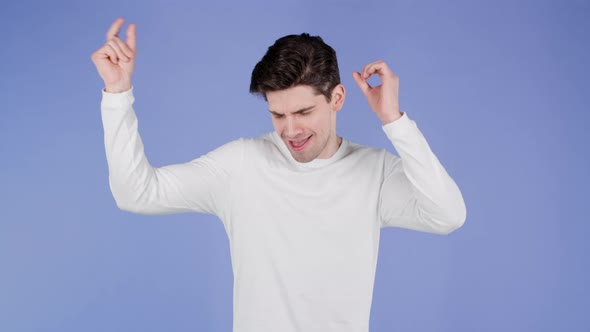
<point>317,145</point>
<point>307,134</point>
<point>308,153</point>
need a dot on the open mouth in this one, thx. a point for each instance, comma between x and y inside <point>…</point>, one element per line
<point>299,145</point>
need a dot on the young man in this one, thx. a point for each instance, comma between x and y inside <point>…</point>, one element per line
<point>302,206</point>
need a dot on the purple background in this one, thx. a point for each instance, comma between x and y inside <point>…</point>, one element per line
<point>499,89</point>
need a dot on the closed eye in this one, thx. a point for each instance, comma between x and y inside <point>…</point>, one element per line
<point>303,111</point>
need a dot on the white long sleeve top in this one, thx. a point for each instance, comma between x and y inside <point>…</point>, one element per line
<point>304,237</point>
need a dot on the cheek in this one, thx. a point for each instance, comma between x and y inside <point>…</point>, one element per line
<point>322,123</point>
<point>277,125</point>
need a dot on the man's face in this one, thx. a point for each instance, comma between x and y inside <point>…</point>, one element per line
<point>306,122</point>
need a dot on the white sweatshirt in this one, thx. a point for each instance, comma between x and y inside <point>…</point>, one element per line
<point>304,237</point>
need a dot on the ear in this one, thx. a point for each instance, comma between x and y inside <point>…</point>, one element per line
<point>338,95</point>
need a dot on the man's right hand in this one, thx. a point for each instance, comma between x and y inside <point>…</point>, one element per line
<point>115,60</point>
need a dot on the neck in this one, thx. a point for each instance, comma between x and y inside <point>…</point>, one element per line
<point>333,146</point>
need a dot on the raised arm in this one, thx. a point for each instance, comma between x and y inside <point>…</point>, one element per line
<point>201,185</point>
<point>417,193</point>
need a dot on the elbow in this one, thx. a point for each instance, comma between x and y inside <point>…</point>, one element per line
<point>452,226</point>
<point>445,221</point>
<point>124,200</point>
<point>134,207</point>
<point>137,207</point>
<point>454,221</point>
<point>126,205</point>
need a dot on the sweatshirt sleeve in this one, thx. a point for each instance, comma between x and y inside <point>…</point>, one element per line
<point>417,193</point>
<point>201,185</point>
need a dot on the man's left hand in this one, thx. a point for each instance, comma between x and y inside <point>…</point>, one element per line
<point>384,98</point>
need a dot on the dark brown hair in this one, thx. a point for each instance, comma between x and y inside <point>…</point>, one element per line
<point>297,60</point>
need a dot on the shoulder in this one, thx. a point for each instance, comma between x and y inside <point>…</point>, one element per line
<point>373,155</point>
<point>247,144</point>
<point>263,147</point>
<point>365,151</point>
<point>262,143</point>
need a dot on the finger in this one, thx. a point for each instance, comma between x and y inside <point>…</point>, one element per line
<point>124,47</point>
<point>131,37</point>
<point>380,68</point>
<point>365,72</point>
<point>105,53</point>
<point>118,50</point>
<point>115,27</point>
<point>362,83</point>
<point>112,54</point>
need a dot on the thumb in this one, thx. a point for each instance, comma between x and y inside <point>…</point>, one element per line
<point>365,87</point>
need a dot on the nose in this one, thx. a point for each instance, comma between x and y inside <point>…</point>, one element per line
<point>292,127</point>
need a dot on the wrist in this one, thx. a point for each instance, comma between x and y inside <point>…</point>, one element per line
<point>389,117</point>
<point>118,88</point>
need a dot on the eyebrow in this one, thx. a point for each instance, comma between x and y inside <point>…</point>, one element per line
<point>299,111</point>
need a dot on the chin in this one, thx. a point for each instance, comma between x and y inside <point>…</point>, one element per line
<point>304,158</point>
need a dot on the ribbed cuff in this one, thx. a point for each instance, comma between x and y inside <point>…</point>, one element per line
<point>110,99</point>
<point>399,127</point>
